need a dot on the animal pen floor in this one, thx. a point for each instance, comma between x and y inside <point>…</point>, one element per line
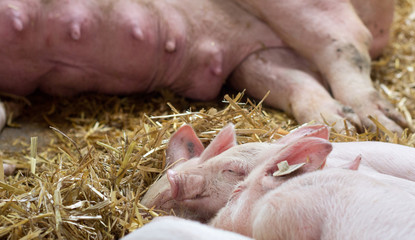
<point>105,150</point>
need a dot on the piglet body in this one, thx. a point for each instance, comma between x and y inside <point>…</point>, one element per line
<point>198,185</point>
<point>316,204</point>
<point>386,158</point>
<point>170,228</point>
<point>328,204</point>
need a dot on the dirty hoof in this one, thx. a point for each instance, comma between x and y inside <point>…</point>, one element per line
<point>381,110</point>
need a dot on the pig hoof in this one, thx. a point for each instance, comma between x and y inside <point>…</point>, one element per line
<point>382,110</point>
<point>75,31</point>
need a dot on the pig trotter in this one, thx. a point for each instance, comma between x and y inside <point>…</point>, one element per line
<point>379,108</point>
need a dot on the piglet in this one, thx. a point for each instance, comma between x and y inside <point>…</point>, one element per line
<point>201,177</point>
<point>174,228</point>
<point>199,181</point>
<point>316,204</point>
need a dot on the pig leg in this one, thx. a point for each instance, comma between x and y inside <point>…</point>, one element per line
<point>294,87</point>
<point>377,16</point>
<point>331,35</point>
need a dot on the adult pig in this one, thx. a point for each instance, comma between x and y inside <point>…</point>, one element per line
<point>126,46</point>
<point>310,204</point>
<point>201,181</point>
<point>174,228</point>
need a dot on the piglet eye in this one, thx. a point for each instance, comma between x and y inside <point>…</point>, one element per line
<point>236,173</point>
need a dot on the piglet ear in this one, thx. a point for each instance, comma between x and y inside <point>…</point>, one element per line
<point>354,165</point>
<point>183,144</point>
<point>311,150</point>
<point>319,131</point>
<point>222,142</point>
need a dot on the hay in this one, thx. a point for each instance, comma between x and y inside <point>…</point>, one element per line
<point>86,183</point>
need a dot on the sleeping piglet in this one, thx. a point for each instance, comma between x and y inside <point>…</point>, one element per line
<point>316,204</point>
<point>174,228</point>
<point>198,185</point>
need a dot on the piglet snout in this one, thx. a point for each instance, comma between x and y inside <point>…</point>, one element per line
<point>174,186</point>
<point>185,186</point>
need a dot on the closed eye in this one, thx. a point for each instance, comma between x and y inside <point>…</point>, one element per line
<point>237,173</point>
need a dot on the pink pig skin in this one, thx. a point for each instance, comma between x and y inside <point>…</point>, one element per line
<point>342,57</point>
<point>199,184</point>
<point>197,187</point>
<point>308,204</point>
<point>174,228</point>
<point>65,47</point>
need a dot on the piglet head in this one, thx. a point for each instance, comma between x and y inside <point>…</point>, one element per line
<point>186,186</point>
<point>235,216</point>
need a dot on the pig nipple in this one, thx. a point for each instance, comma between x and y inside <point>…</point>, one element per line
<point>170,46</point>
<point>212,51</point>
<point>75,31</point>
<point>18,24</point>
<point>17,19</point>
<point>138,33</point>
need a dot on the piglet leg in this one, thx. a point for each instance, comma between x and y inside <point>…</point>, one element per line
<point>293,87</point>
<point>331,35</point>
